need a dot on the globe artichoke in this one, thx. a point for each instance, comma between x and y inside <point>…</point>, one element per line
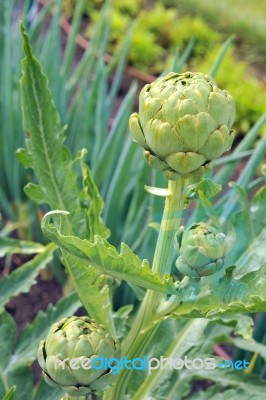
<point>70,342</point>
<point>184,122</point>
<point>202,250</point>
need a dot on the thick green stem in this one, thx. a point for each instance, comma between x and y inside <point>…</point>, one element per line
<point>3,380</point>
<point>147,321</point>
<point>171,221</point>
<point>151,380</point>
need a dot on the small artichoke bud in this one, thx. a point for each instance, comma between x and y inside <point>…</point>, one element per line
<point>184,123</point>
<point>202,250</point>
<point>65,355</point>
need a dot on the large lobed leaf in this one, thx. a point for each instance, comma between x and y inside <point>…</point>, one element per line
<point>124,265</point>
<point>58,185</point>
<point>46,154</point>
<point>224,295</point>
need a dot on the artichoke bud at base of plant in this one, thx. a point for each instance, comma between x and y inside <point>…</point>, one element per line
<point>202,250</point>
<point>184,123</point>
<point>78,338</point>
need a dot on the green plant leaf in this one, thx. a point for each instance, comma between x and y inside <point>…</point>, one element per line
<point>258,214</point>
<point>21,378</point>
<point>46,153</point>
<point>234,379</point>
<point>249,345</point>
<point>56,176</point>
<point>124,265</point>
<point>242,326</point>
<point>96,299</point>
<point>204,189</point>
<point>221,55</point>
<point>110,151</point>
<point>218,392</point>
<point>121,320</point>
<point>24,157</point>
<point>224,295</point>
<point>34,192</point>
<point>44,392</point>
<point>253,257</point>
<point>183,337</point>
<point>21,280</point>
<point>14,246</point>
<point>94,205</point>
<point>193,338</point>
<point>26,346</point>
<point>8,337</point>
<point>10,394</point>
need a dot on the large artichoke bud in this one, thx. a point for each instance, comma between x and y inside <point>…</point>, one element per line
<point>183,123</point>
<point>77,339</point>
<point>202,250</point>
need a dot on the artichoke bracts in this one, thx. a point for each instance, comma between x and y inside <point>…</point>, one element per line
<point>77,339</point>
<point>184,122</point>
<point>202,250</point>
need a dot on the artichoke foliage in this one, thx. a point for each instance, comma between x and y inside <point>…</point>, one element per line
<point>77,338</point>
<point>203,249</point>
<point>184,123</point>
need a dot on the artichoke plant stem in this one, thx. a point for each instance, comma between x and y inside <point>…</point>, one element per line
<point>171,221</point>
<point>147,321</point>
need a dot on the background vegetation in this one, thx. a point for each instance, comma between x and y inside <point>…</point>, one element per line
<point>94,99</point>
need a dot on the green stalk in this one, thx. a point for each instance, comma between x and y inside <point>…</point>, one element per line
<point>4,381</point>
<point>171,221</point>
<point>149,382</point>
<point>147,320</point>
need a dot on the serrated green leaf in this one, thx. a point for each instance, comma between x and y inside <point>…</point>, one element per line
<point>225,295</point>
<point>124,265</point>
<point>96,299</point>
<point>27,344</point>
<point>56,176</point>
<point>242,326</point>
<point>21,280</point>
<point>205,188</point>
<point>94,205</point>
<point>24,157</point>
<point>50,159</point>
<point>14,246</point>
<point>34,192</point>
